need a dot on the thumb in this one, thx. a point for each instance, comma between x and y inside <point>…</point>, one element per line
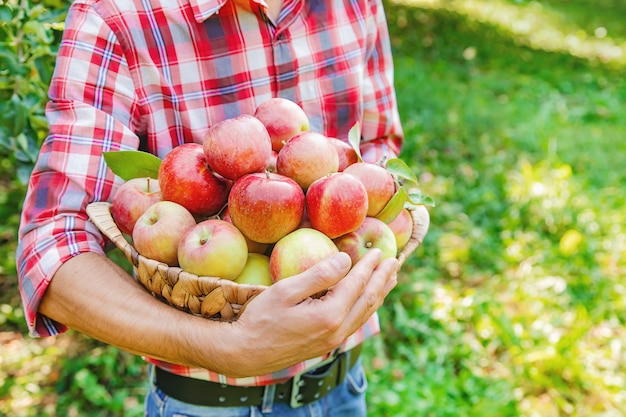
<point>314,280</point>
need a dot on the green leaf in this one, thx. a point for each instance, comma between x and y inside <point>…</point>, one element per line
<point>44,66</point>
<point>418,199</point>
<point>9,60</point>
<point>393,207</point>
<point>37,29</point>
<point>6,83</point>
<point>5,14</point>
<point>354,139</point>
<point>20,115</point>
<point>133,164</point>
<point>400,169</point>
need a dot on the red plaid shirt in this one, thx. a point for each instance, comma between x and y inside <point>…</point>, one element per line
<point>155,74</point>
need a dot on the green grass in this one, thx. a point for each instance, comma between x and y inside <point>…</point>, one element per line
<point>515,305</point>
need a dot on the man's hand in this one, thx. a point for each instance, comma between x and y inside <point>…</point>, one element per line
<point>280,327</point>
<point>285,325</point>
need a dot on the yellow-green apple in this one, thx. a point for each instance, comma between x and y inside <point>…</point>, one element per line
<point>347,154</point>
<point>159,229</point>
<point>283,119</point>
<point>237,146</point>
<point>336,204</point>
<point>256,271</point>
<point>307,157</point>
<point>213,248</point>
<point>132,199</point>
<point>265,206</point>
<point>253,247</point>
<point>372,233</point>
<point>402,228</point>
<point>298,251</point>
<point>378,182</point>
<point>186,179</point>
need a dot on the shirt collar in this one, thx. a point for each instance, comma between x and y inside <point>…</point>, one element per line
<point>203,9</point>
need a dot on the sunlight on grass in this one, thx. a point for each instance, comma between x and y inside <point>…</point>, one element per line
<point>535,26</point>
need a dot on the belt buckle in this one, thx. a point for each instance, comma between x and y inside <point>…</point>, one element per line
<point>295,399</point>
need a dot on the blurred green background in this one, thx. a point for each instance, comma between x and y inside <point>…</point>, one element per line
<point>515,305</point>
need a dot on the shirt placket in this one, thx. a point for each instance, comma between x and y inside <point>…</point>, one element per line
<point>285,75</point>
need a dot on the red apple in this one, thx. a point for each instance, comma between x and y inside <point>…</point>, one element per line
<point>132,199</point>
<point>336,204</point>
<point>159,229</point>
<point>373,233</point>
<point>253,247</point>
<point>186,179</point>
<point>265,206</point>
<point>213,248</point>
<point>307,157</point>
<point>378,182</point>
<point>298,251</point>
<point>347,154</point>
<point>237,146</point>
<point>402,228</point>
<point>256,271</point>
<point>283,119</point>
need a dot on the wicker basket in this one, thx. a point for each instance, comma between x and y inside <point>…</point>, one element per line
<point>210,297</point>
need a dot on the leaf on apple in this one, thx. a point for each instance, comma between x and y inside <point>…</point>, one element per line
<point>408,180</point>
<point>132,164</point>
<point>354,138</point>
<point>401,170</point>
<point>418,198</point>
<point>393,207</point>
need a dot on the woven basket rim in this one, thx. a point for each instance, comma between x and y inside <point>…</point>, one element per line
<point>207,295</point>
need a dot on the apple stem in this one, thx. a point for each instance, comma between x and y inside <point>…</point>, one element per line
<point>368,245</point>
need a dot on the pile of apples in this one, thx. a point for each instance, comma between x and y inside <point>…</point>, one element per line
<point>263,198</point>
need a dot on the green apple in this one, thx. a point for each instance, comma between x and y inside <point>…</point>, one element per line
<point>298,251</point>
<point>159,229</point>
<point>213,248</point>
<point>256,271</point>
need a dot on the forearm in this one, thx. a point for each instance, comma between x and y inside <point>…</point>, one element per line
<point>279,328</point>
<point>93,295</point>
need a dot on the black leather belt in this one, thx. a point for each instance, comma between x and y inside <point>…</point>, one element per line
<point>299,390</point>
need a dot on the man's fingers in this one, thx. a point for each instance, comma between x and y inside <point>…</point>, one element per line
<point>318,278</point>
<point>383,280</point>
<point>360,274</point>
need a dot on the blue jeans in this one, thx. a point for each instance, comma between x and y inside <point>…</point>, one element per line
<point>346,400</point>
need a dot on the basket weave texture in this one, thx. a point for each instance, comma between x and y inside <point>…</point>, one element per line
<point>210,297</point>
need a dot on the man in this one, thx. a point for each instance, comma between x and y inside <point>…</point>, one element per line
<point>152,75</point>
